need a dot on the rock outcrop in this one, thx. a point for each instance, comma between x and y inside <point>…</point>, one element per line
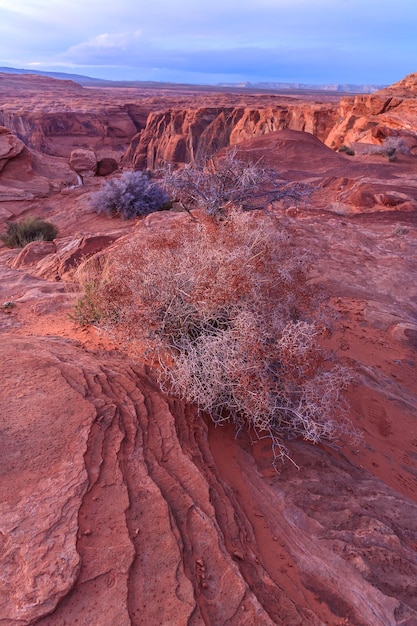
<point>120,507</point>
<point>338,183</point>
<point>10,146</point>
<point>369,119</point>
<point>26,174</point>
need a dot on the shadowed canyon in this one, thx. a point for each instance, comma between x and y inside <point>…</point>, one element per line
<point>121,505</point>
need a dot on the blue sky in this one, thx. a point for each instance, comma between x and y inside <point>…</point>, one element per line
<point>196,41</point>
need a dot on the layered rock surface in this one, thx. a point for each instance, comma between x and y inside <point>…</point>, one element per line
<point>122,505</point>
<point>116,511</point>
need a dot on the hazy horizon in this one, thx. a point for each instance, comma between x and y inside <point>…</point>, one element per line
<point>294,41</point>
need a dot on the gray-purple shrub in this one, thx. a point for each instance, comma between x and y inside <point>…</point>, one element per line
<point>131,195</point>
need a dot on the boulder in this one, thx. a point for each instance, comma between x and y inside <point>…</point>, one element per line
<point>106,166</point>
<point>32,253</point>
<point>83,162</point>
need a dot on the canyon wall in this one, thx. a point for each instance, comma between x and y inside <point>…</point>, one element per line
<point>176,136</point>
<point>55,116</point>
<point>57,133</point>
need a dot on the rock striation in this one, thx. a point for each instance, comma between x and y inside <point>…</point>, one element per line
<point>116,510</point>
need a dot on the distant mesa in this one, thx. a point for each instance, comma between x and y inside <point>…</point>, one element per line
<point>279,86</point>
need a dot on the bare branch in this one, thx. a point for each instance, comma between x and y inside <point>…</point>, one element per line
<point>223,182</point>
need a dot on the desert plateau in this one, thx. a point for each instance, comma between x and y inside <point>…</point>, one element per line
<point>123,504</point>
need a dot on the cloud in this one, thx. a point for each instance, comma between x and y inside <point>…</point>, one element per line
<point>285,60</point>
<point>289,40</point>
<point>112,42</point>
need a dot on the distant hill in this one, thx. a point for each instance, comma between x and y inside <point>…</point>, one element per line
<point>265,86</point>
<point>77,78</point>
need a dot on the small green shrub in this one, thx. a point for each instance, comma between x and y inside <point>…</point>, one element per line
<point>399,229</point>
<point>87,310</point>
<point>347,150</point>
<point>131,195</point>
<point>31,229</point>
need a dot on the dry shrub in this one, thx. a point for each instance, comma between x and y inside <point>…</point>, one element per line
<point>391,147</point>
<point>226,181</point>
<point>91,277</point>
<point>228,311</point>
<point>131,195</point>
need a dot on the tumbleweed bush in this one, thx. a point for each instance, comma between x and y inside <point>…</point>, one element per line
<point>227,309</point>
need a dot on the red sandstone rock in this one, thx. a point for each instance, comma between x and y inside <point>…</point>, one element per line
<point>25,174</point>
<point>339,183</point>
<point>106,166</point>
<point>83,162</point>
<point>53,260</point>
<point>10,146</point>
<point>367,118</point>
<point>406,87</point>
<point>33,252</point>
<point>43,483</point>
